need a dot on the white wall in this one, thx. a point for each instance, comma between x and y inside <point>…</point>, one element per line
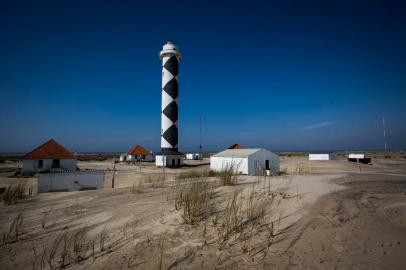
<point>160,160</point>
<point>68,164</point>
<point>319,157</point>
<point>257,162</point>
<point>135,158</point>
<point>331,156</point>
<point>31,165</point>
<point>70,181</point>
<point>240,165</point>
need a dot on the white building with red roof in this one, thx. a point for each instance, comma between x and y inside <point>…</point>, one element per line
<point>50,155</point>
<point>139,153</point>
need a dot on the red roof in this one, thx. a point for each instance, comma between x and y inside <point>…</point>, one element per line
<point>50,150</point>
<point>138,150</point>
<point>236,146</point>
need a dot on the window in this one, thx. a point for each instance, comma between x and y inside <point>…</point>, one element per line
<point>40,163</point>
<point>178,162</point>
<point>55,163</point>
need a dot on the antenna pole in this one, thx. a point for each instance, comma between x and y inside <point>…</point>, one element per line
<point>200,139</point>
<point>66,137</point>
<point>384,134</point>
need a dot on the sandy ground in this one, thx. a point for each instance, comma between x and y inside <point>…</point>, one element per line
<point>321,215</point>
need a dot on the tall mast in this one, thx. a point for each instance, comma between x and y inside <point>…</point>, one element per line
<point>200,136</point>
<point>384,133</point>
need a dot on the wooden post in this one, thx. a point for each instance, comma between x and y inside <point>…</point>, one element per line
<point>164,165</point>
<point>359,165</point>
<point>114,172</point>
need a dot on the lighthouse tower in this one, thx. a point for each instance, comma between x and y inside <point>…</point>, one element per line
<point>169,155</point>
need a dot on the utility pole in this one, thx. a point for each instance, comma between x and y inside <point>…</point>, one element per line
<point>384,134</point>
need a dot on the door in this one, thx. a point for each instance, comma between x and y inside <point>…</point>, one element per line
<point>267,165</point>
<point>55,163</point>
<point>173,162</point>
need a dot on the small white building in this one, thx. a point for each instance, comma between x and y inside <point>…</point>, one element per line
<point>323,156</point>
<point>356,156</point>
<point>172,161</point>
<point>359,158</point>
<point>123,157</point>
<point>138,153</point>
<point>248,161</point>
<point>49,156</point>
<point>194,156</point>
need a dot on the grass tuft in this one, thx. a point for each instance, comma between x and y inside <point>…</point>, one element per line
<point>14,231</point>
<point>13,194</point>
<point>227,175</point>
<point>193,196</point>
<point>194,174</point>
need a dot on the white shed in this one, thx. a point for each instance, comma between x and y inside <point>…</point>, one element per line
<point>323,156</point>
<point>194,156</point>
<point>123,157</point>
<point>246,161</point>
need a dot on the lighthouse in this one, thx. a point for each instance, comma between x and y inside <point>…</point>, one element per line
<point>169,155</point>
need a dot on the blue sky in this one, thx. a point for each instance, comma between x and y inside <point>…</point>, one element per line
<point>283,75</point>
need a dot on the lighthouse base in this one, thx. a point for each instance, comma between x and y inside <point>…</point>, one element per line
<point>171,161</point>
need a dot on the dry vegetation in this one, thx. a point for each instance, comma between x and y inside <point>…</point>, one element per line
<point>227,176</point>
<point>244,222</point>
<point>68,248</point>
<point>15,193</point>
<point>14,231</point>
<point>196,219</point>
<point>193,195</point>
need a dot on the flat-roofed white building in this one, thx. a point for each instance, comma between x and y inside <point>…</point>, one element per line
<point>359,157</point>
<point>356,156</point>
<point>249,161</point>
<point>323,156</point>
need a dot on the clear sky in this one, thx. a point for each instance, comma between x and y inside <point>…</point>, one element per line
<point>283,75</point>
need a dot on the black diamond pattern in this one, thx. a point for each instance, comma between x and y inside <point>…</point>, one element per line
<point>172,88</point>
<point>171,135</point>
<point>171,111</point>
<point>172,65</point>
